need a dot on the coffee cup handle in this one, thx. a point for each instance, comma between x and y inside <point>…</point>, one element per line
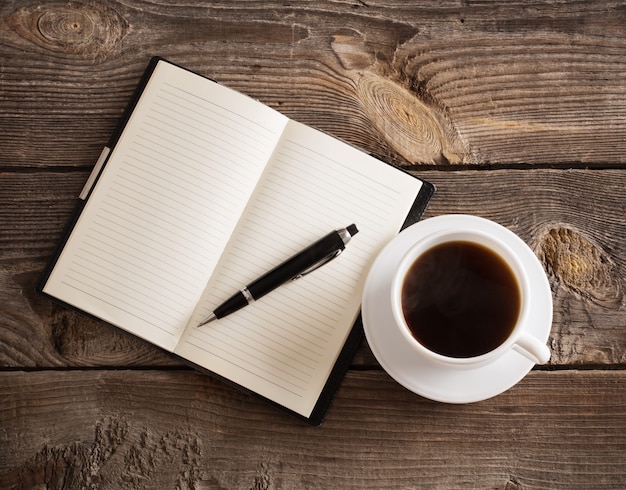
<point>529,346</point>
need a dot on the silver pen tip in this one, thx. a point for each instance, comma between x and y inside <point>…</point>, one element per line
<point>208,319</point>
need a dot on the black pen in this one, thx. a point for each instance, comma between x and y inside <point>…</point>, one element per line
<point>309,259</point>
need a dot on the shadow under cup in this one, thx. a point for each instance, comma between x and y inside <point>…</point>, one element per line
<point>461,298</point>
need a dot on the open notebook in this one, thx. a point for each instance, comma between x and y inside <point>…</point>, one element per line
<point>203,189</point>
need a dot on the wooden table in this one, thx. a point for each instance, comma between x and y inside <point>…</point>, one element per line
<point>516,111</point>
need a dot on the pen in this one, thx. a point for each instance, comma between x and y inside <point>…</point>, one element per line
<point>304,262</point>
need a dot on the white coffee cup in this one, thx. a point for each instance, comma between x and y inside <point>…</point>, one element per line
<point>519,338</point>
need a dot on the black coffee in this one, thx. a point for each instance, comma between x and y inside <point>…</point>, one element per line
<point>460,299</point>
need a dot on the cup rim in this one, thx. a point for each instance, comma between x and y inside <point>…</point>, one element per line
<point>472,236</point>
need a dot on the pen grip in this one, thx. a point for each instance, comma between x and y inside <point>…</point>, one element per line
<point>297,264</point>
<point>231,305</point>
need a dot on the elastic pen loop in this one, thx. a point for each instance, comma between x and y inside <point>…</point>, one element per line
<point>319,264</point>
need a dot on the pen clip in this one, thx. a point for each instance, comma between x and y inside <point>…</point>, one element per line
<point>319,264</point>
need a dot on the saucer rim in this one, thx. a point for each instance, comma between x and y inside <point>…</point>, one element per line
<point>419,375</point>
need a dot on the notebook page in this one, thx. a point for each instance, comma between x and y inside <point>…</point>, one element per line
<point>284,345</point>
<point>166,204</point>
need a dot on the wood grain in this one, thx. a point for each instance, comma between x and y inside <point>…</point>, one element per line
<point>532,83</point>
<point>573,220</point>
<point>515,110</point>
<point>91,429</point>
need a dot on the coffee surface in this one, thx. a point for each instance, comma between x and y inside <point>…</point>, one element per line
<point>460,299</point>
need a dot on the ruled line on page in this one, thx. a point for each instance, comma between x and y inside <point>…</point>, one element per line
<point>164,206</point>
<point>302,190</point>
<point>89,291</point>
<point>210,106</point>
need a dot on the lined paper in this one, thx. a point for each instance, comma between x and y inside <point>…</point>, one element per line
<point>164,208</point>
<point>284,345</point>
<point>207,189</point>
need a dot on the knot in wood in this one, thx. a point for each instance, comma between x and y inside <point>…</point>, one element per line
<point>87,30</point>
<point>582,266</point>
<point>418,132</point>
<point>66,27</point>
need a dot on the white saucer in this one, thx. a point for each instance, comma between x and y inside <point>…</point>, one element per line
<point>418,375</point>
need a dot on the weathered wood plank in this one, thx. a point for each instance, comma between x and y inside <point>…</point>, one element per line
<point>574,220</point>
<point>443,85</point>
<point>155,429</point>
<point>518,82</point>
